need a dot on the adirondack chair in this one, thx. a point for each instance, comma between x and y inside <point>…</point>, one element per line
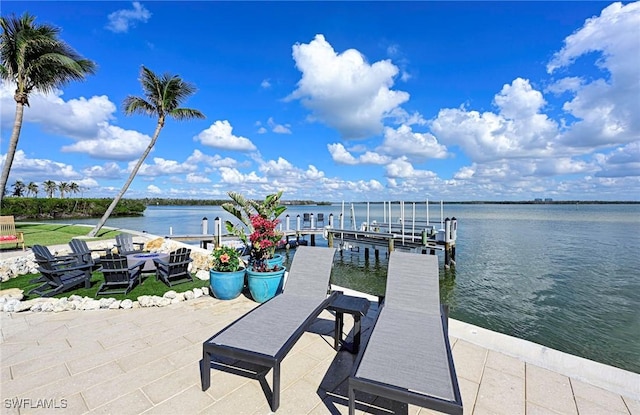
<point>126,246</point>
<point>58,274</point>
<point>176,269</point>
<point>44,258</point>
<point>83,253</point>
<point>8,233</point>
<point>119,277</point>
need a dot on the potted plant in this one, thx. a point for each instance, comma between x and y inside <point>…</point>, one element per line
<point>265,274</point>
<point>226,275</point>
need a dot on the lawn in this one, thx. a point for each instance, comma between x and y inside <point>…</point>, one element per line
<point>149,286</point>
<point>55,234</point>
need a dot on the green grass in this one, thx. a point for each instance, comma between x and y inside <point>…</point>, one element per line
<point>60,234</point>
<point>149,286</point>
<point>56,234</point>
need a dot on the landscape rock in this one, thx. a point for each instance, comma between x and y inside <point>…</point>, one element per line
<point>202,274</point>
<point>12,293</point>
<point>170,294</point>
<point>197,293</point>
<point>126,304</point>
<point>115,305</point>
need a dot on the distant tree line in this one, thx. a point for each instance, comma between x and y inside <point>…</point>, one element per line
<point>26,208</point>
<point>20,189</point>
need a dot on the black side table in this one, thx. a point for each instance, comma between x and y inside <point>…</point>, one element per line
<point>357,307</point>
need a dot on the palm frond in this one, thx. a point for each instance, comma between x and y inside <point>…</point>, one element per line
<point>136,105</point>
<point>185,114</point>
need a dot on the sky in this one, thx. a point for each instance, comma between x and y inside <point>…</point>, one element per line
<point>344,101</point>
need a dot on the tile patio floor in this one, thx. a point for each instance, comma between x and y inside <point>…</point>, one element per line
<point>145,361</point>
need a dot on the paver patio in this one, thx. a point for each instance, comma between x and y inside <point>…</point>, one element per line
<point>146,361</point>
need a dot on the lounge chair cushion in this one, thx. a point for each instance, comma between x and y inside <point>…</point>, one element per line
<point>407,350</point>
<point>257,333</point>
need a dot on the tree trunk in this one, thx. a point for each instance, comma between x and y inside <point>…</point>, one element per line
<point>13,144</point>
<point>119,196</point>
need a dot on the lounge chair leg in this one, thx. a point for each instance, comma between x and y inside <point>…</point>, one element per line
<point>275,403</point>
<point>205,371</point>
<point>352,401</point>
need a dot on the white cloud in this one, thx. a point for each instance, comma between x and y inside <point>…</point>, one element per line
<point>121,20</point>
<point>161,167</point>
<point>265,84</point>
<point>212,161</point>
<point>35,169</point>
<point>78,118</point>
<point>622,162</point>
<point>234,176</point>
<point>219,135</point>
<point>519,129</point>
<point>276,168</point>
<point>606,108</point>
<point>343,90</point>
<point>278,128</point>
<point>109,170</point>
<point>341,155</point>
<point>402,168</point>
<point>417,146</point>
<point>112,143</point>
<point>196,178</point>
<point>153,189</point>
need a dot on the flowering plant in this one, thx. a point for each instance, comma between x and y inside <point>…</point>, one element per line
<point>226,259</point>
<point>263,241</point>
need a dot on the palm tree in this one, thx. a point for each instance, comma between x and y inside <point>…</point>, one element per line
<point>18,188</point>
<point>63,187</point>
<point>50,187</point>
<point>32,188</point>
<point>163,96</point>
<point>32,57</point>
<point>74,188</point>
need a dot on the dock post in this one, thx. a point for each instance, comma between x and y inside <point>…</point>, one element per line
<point>205,225</point>
<point>330,239</point>
<point>366,253</point>
<point>287,221</point>
<point>313,238</point>
<point>390,249</point>
<point>331,220</point>
<point>218,232</point>
<point>312,222</point>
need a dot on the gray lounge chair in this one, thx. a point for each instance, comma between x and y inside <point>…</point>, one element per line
<point>408,357</point>
<point>266,334</point>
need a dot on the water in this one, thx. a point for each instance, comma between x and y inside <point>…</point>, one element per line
<point>564,276</point>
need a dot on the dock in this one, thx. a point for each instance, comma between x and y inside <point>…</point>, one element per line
<point>406,234</point>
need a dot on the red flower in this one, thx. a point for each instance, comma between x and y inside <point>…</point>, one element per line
<point>224,258</point>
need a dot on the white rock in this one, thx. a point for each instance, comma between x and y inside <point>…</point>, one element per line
<point>91,305</point>
<point>106,302</point>
<point>205,290</point>
<point>175,301</point>
<point>170,294</point>
<point>188,295</point>
<point>136,304</point>
<point>197,293</point>
<point>115,304</point>
<point>163,302</point>
<point>202,275</point>
<point>145,301</point>
<point>126,304</point>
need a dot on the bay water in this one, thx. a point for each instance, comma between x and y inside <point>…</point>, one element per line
<point>561,275</point>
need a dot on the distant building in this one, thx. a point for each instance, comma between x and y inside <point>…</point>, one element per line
<point>548,199</point>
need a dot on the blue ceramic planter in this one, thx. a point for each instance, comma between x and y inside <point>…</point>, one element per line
<point>226,285</point>
<point>276,260</point>
<point>265,285</point>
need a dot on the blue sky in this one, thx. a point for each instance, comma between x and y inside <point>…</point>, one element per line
<point>350,101</point>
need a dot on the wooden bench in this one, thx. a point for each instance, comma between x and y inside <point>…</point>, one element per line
<point>8,234</point>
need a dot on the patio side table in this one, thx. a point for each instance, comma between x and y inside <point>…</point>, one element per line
<point>357,307</point>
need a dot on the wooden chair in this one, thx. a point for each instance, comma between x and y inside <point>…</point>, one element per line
<point>119,277</point>
<point>8,233</point>
<point>176,269</point>
<point>84,255</point>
